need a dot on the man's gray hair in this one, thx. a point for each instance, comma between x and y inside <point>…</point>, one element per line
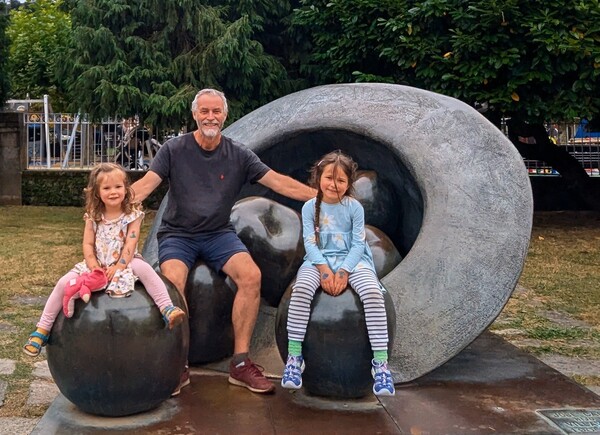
<point>209,91</point>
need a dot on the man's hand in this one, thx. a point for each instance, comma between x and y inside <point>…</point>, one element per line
<point>145,186</point>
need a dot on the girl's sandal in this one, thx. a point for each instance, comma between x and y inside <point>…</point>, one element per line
<point>34,344</point>
<point>172,316</point>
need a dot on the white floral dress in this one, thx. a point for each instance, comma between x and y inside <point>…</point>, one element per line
<point>110,239</point>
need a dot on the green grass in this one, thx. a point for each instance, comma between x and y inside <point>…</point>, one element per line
<point>37,246</point>
<point>562,333</point>
<point>561,276</point>
<point>562,264</point>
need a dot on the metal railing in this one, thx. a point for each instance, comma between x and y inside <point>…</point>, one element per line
<point>66,141</point>
<point>588,156</point>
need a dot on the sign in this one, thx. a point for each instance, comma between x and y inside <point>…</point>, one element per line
<point>571,421</point>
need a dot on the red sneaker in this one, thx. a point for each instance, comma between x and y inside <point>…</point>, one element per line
<point>249,375</point>
<point>184,381</point>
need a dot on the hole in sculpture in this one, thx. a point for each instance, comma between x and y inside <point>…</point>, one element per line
<point>389,193</point>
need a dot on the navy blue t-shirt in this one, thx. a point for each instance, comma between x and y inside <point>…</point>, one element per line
<point>203,185</point>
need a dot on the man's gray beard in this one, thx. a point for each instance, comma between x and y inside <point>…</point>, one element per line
<point>210,133</point>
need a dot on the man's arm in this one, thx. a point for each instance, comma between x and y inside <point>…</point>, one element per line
<point>145,186</point>
<point>287,186</point>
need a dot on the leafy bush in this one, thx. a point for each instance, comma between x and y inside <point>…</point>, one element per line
<point>65,188</point>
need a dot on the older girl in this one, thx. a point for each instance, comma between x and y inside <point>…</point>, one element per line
<point>336,255</point>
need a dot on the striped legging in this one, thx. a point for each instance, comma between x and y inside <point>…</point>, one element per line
<point>365,284</point>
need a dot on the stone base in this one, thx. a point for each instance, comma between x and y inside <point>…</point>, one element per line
<point>491,387</point>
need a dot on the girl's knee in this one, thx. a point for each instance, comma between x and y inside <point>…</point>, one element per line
<point>139,265</point>
<point>64,280</point>
<point>303,289</point>
<point>372,295</point>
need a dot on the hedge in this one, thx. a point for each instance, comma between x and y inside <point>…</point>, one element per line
<point>65,188</point>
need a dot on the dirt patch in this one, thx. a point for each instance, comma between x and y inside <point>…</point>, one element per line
<point>572,366</point>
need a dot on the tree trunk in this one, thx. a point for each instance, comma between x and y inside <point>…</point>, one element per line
<point>532,141</point>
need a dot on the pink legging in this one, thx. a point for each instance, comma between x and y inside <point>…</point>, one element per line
<point>154,286</point>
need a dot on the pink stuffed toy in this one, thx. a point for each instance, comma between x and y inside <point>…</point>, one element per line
<point>82,287</point>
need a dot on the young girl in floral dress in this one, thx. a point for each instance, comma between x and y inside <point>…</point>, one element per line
<point>110,238</point>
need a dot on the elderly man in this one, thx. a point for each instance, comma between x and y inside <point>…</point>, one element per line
<point>206,172</point>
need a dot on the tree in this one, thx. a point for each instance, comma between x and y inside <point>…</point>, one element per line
<point>39,32</point>
<point>270,21</point>
<point>529,62</point>
<point>4,41</point>
<point>150,57</point>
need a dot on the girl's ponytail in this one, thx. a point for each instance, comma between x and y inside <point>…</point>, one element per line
<point>317,217</point>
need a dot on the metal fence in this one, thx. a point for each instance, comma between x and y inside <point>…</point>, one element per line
<point>588,157</point>
<point>579,141</point>
<point>66,141</point>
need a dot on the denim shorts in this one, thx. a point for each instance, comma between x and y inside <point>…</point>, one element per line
<point>215,249</point>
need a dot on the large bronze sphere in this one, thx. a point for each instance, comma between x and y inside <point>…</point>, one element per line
<point>273,234</point>
<point>115,357</point>
<point>385,255</point>
<point>336,349</point>
<point>375,194</point>
<point>210,300</point>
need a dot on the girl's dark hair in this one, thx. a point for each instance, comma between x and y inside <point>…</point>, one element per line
<point>341,162</point>
<point>94,207</point>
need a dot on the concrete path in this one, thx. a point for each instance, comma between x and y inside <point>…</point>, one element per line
<point>43,391</point>
<point>491,387</point>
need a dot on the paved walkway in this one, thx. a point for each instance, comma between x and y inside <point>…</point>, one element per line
<point>491,387</point>
<point>42,392</point>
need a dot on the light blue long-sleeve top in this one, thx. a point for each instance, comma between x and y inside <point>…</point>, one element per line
<point>342,236</point>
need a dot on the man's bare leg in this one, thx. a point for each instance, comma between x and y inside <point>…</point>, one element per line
<point>246,275</point>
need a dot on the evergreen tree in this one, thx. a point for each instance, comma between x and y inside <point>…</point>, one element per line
<point>150,57</point>
<point>270,21</point>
